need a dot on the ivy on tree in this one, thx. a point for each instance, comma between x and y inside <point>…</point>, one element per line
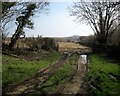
<point>23,21</point>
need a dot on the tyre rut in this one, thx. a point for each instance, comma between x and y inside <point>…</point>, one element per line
<point>74,84</point>
<point>41,77</point>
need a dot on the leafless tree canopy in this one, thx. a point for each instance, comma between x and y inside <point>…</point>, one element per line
<point>101,16</point>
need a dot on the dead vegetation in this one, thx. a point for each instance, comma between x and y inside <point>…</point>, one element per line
<point>72,47</point>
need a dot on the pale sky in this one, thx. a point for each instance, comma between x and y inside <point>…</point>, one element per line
<point>58,23</point>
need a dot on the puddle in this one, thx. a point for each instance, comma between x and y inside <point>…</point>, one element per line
<point>83,59</point>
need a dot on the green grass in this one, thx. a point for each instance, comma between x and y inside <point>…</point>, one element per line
<point>16,70</point>
<point>99,75</point>
<point>59,77</point>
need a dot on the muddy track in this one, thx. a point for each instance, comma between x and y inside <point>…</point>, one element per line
<point>42,76</point>
<point>73,85</point>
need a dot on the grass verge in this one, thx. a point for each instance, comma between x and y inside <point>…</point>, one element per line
<point>15,70</point>
<point>104,76</point>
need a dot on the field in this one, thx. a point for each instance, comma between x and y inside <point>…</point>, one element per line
<point>70,45</point>
<point>73,47</point>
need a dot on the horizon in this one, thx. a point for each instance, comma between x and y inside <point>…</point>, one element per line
<point>57,23</point>
<point>53,36</point>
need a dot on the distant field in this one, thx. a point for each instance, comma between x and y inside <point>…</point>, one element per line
<point>69,46</point>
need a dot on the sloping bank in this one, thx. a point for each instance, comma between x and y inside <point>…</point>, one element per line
<point>103,76</point>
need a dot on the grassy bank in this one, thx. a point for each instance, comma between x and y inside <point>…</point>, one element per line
<point>104,76</point>
<point>15,70</point>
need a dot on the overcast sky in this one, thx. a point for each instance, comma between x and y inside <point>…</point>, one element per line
<point>58,23</point>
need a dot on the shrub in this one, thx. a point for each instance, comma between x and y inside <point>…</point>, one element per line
<point>34,43</point>
<point>39,43</point>
<point>49,44</point>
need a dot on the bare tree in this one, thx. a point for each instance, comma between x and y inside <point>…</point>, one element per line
<point>102,16</point>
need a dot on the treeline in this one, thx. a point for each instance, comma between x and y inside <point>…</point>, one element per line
<point>39,43</point>
<point>33,44</point>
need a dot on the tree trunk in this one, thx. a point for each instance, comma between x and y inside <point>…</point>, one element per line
<point>12,44</point>
<point>102,39</point>
<point>15,37</point>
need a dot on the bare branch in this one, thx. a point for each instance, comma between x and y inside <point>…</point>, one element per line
<point>101,16</point>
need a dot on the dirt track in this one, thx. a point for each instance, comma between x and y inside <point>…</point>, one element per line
<point>74,84</point>
<point>43,75</point>
<point>71,86</point>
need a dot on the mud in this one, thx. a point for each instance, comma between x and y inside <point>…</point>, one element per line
<point>74,84</point>
<point>42,75</point>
